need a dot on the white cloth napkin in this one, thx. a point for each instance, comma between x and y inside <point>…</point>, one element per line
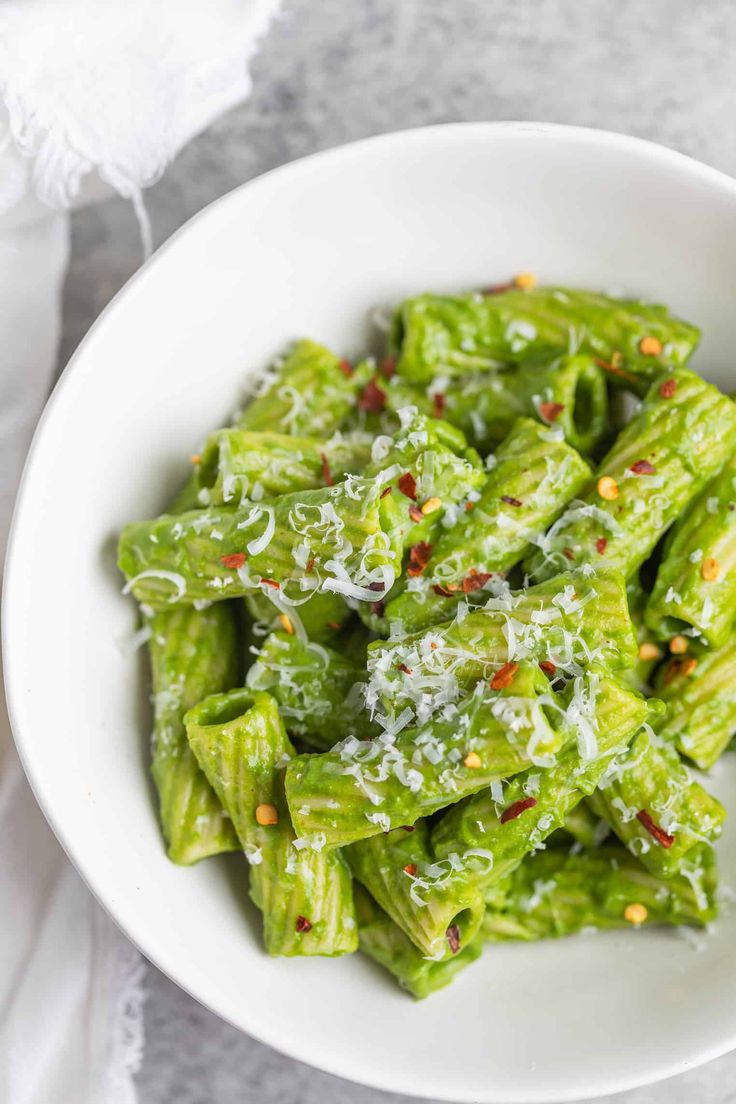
<point>92,92</point>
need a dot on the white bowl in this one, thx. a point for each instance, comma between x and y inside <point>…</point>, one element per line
<point>308,250</point>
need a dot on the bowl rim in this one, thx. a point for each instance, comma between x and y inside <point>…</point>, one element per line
<point>590,137</point>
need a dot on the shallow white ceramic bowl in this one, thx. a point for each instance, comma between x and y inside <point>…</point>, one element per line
<point>308,250</point>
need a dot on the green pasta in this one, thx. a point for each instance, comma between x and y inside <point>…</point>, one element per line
<point>533,477</point>
<point>390,947</point>
<point>555,894</point>
<point>304,894</point>
<point>695,586</point>
<point>699,691</point>
<point>319,693</point>
<point>193,654</point>
<point>387,865</point>
<point>331,538</point>
<point>492,832</point>
<point>360,789</point>
<point>679,439</point>
<point>320,618</point>
<point>655,807</point>
<point>467,333</point>
<point>238,464</point>
<point>569,622</point>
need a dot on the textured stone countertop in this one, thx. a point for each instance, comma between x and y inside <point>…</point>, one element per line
<point>338,70</point>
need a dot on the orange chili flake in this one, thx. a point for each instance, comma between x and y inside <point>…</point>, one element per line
<point>419,556</point>
<point>472,761</point>
<point>469,505</point>
<point>643,467</point>
<point>346,368</point>
<point>668,388</point>
<point>648,651</point>
<point>444,591</point>
<point>303,925</point>
<point>568,553</point>
<point>510,501</point>
<point>372,399</point>
<point>475,580</point>
<point>403,668</point>
<point>550,411</point>
<point>310,566</point>
<point>411,870</point>
<point>601,544</point>
<point>286,624</point>
<point>234,559</point>
<point>334,625</point>
<point>504,676</point>
<point>387,367</point>
<point>326,473</point>
<point>196,458</point>
<point>615,368</point>
<point>439,400</point>
<point>431,505</point>
<point>272,583</point>
<point>608,488</point>
<point>678,645</point>
<point>654,830</point>
<point>267,814</point>
<point>415,513</point>
<point>650,346</point>
<point>679,667</point>
<point>408,485</point>
<point>518,807</point>
<point>710,570</point>
<point>636,913</point>
<point>549,668</point>
<point>386,491</point>
<point>525,281</point>
<point>434,645</point>
<point>496,289</point>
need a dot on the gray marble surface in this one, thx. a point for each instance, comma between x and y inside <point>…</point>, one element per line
<point>337,70</point>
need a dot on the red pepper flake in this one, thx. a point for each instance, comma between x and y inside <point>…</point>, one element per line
<point>419,557</point>
<point>453,938</point>
<point>310,566</point>
<point>601,545</point>
<point>326,473</point>
<point>668,388</point>
<point>679,667</point>
<point>616,370</point>
<point>439,401</point>
<point>469,505</point>
<point>659,834</point>
<point>411,870</point>
<point>568,553</point>
<point>302,924</point>
<point>643,467</point>
<point>511,501</point>
<point>415,513</point>
<point>272,583</point>
<point>403,668</point>
<point>377,586</point>
<point>518,807</point>
<point>504,676</point>
<point>334,625</point>
<point>373,399</point>
<point>444,591</point>
<point>235,559</point>
<point>386,491</point>
<point>408,485</point>
<point>549,668</point>
<point>496,289</point>
<point>408,827</point>
<point>387,367</point>
<point>550,411</point>
<point>378,608</point>
<point>346,368</point>
<point>475,580</point>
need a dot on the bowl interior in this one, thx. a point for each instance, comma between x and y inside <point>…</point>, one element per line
<point>310,250</point>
